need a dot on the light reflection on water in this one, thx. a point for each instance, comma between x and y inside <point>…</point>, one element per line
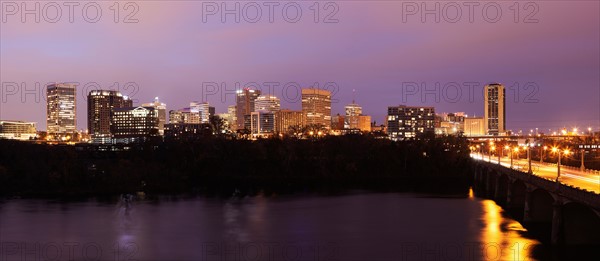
<point>363,226</point>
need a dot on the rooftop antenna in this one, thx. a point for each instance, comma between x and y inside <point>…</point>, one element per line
<point>353,95</point>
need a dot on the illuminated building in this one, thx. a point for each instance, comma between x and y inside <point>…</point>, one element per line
<point>407,122</point>
<point>267,103</point>
<point>232,111</point>
<point>338,121</point>
<point>162,114</point>
<point>353,109</point>
<point>61,108</point>
<point>132,124</point>
<point>262,123</point>
<point>287,119</point>
<point>244,106</point>
<point>202,109</point>
<point>100,104</point>
<point>316,106</point>
<point>186,131</point>
<point>494,109</point>
<point>474,126</point>
<point>198,112</point>
<point>17,130</point>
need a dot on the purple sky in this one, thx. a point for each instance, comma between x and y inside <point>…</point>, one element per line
<point>170,52</point>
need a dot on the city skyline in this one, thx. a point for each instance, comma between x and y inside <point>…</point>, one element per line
<point>383,62</point>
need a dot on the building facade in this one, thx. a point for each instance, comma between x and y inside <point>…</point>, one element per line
<point>408,122</point>
<point>245,99</point>
<point>132,124</point>
<point>262,123</point>
<point>17,130</point>
<point>288,120</point>
<point>100,104</point>
<point>494,109</point>
<point>316,106</point>
<point>474,126</point>
<point>186,131</point>
<point>267,103</point>
<point>161,109</point>
<point>61,109</point>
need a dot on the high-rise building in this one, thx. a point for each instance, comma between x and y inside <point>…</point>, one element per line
<point>262,123</point>
<point>17,130</point>
<point>316,106</point>
<point>232,111</point>
<point>407,122</point>
<point>267,103</point>
<point>61,110</point>
<point>288,119</point>
<point>494,109</point>
<point>100,104</point>
<point>161,108</point>
<point>202,109</point>
<point>244,106</point>
<point>131,124</point>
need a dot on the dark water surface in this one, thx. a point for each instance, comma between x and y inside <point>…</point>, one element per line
<point>359,226</point>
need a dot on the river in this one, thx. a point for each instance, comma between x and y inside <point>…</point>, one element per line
<point>355,226</point>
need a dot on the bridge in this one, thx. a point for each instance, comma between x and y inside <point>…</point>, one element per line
<point>560,213</point>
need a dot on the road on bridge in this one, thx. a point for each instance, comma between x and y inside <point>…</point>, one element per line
<point>568,175</point>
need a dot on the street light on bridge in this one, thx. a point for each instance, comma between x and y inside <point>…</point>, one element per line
<point>559,152</point>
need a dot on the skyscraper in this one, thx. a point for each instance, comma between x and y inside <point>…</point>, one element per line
<point>316,106</point>
<point>267,103</point>
<point>494,109</point>
<point>100,104</point>
<point>61,108</point>
<point>161,108</point>
<point>244,105</point>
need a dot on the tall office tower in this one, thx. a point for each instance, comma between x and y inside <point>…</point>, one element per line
<point>161,108</point>
<point>202,109</point>
<point>267,103</point>
<point>131,124</point>
<point>100,104</point>
<point>406,122</point>
<point>244,105</point>
<point>61,108</point>
<point>231,109</point>
<point>316,106</point>
<point>494,109</point>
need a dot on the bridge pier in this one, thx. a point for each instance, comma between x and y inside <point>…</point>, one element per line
<point>556,222</point>
<point>508,195</point>
<point>497,189</point>
<point>527,207</point>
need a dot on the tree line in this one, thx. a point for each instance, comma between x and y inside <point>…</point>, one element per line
<point>221,164</point>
